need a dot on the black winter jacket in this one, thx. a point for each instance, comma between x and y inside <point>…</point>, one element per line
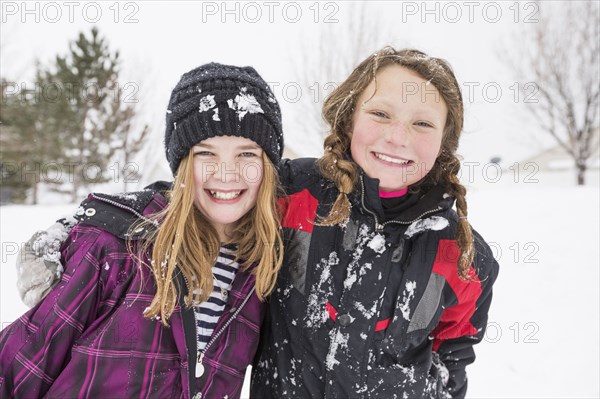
<point>371,309</point>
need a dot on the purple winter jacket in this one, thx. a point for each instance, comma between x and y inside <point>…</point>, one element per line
<point>88,337</point>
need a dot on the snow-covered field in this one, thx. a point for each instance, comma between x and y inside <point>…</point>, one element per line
<point>543,333</point>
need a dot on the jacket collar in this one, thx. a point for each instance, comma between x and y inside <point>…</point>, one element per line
<point>366,198</point>
<point>117,213</point>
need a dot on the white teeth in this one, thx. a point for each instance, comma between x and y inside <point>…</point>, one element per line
<point>390,159</point>
<point>225,196</point>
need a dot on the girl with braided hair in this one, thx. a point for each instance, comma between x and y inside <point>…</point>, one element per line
<point>384,288</point>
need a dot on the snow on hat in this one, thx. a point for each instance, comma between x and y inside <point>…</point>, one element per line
<point>222,100</point>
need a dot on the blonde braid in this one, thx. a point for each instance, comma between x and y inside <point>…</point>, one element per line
<point>343,173</point>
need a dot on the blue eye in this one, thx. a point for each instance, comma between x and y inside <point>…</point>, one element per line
<point>248,155</point>
<point>424,124</point>
<point>380,114</point>
<point>203,153</point>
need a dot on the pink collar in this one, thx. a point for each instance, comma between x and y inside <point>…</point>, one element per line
<point>393,194</point>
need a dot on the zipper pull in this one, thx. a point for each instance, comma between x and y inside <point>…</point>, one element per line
<point>199,366</point>
<point>378,226</point>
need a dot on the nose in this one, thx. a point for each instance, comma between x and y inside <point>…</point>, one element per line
<point>397,133</point>
<point>228,171</point>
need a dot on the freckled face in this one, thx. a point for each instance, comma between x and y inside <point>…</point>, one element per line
<point>228,171</point>
<point>397,132</point>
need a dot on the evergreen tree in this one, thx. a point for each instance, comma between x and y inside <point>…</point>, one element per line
<point>97,121</point>
<point>29,144</point>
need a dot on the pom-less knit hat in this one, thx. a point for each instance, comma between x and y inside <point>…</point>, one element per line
<point>222,100</point>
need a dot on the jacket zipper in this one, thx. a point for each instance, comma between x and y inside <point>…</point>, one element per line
<point>200,354</point>
<point>379,226</point>
<point>125,207</point>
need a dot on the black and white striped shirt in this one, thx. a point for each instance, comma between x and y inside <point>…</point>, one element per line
<point>208,312</point>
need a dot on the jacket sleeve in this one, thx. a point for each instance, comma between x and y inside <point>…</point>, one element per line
<point>463,325</point>
<point>37,346</point>
<point>297,174</point>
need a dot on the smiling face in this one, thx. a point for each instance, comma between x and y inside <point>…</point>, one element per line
<point>397,131</point>
<point>228,171</point>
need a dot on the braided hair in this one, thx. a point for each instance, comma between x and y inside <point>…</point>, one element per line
<point>338,111</point>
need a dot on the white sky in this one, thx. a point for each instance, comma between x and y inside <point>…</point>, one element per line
<point>170,38</point>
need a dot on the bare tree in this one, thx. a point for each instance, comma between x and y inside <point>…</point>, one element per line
<point>560,49</point>
<point>128,138</point>
<point>348,37</point>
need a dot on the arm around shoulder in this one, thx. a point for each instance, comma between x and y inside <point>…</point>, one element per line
<point>294,174</point>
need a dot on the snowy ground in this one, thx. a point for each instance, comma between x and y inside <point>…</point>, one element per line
<point>543,334</point>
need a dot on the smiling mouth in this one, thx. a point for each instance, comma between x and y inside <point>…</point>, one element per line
<point>389,159</point>
<point>224,195</point>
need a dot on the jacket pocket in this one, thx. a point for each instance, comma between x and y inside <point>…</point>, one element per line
<point>163,379</point>
<point>417,372</point>
<point>410,380</point>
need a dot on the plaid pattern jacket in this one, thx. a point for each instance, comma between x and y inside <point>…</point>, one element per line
<point>88,337</point>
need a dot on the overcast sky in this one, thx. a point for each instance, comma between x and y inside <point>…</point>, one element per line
<point>160,40</point>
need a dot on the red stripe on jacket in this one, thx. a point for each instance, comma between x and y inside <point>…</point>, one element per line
<point>456,320</point>
<point>304,211</point>
<point>381,324</point>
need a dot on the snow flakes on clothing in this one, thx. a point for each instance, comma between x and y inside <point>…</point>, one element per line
<point>316,314</point>
<point>407,295</point>
<point>207,103</point>
<point>244,103</point>
<point>127,196</point>
<point>357,269</point>
<point>431,223</point>
<point>339,341</point>
<point>368,313</point>
<point>377,243</point>
<point>408,371</point>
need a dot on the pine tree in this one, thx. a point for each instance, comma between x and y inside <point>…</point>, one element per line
<point>97,122</point>
<point>29,144</point>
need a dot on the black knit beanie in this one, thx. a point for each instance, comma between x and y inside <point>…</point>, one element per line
<point>222,100</point>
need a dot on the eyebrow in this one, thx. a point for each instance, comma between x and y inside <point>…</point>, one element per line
<point>243,147</point>
<point>250,147</point>
<point>378,102</point>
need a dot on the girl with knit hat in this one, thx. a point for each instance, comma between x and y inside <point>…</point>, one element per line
<point>384,288</point>
<point>162,291</point>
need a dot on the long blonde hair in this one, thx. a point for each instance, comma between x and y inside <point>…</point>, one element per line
<point>186,242</point>
<point>338,111</point>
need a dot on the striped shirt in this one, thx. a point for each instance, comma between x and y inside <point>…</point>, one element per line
<point>208,312</point>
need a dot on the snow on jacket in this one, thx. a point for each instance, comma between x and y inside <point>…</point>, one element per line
<point>370,309</point>
<point>88,337</point>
